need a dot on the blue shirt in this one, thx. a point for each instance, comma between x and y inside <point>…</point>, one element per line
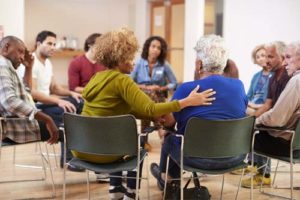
<point>258,90</point>
<point>162,74</point>
<point>231,100</point>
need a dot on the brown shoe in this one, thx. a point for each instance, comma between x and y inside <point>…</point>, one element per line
<point>148,147</point>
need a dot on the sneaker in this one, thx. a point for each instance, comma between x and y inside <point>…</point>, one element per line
<point>117,192</point>
<point>129,196</point>
<point>248,170</point>
<point>257,180</point>
<point>74,168</point>
<point>101,177</point>
<point>155,171</point>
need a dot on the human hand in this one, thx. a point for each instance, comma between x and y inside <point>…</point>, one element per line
<point>76,96</point>
<point>28,60</point>
<point>67,106</point>
<point>198,99</point>
<point>53,131</point>
<point>153,87</point>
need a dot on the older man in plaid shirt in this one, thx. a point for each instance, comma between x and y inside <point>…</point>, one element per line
<point>15,101</point>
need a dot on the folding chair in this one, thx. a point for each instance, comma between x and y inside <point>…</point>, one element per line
<point>110,136</point>
<point>45,161</point>
<point>294,145</point>
<point>215,139</point>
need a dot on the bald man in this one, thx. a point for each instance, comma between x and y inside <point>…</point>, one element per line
<point>15,100</point>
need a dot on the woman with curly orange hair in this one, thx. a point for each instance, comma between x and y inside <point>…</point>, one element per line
<point>113,92</point>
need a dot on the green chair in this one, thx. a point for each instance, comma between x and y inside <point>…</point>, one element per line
<point>294,145</point>
<point>215,139</point>
<point>44,157</point>
<point>113,135</point>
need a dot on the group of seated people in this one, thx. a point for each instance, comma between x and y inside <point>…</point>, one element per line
<point>99,85</point>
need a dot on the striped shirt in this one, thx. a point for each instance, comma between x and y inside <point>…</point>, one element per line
<point>14,102</point>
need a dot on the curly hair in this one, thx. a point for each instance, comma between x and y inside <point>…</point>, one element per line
<point>163,51</point>
<point>116,47</point>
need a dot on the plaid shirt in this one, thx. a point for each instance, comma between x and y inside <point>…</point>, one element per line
<point>14,102</point>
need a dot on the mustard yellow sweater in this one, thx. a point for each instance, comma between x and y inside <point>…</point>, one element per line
<point>111,93</point>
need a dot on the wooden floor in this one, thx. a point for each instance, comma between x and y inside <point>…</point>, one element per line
<point>76,182</point>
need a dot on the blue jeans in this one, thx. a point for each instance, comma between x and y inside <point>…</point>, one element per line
<point>172,148</point>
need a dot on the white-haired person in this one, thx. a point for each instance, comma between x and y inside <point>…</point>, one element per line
<point>113,92</point>
<point>231,102</point>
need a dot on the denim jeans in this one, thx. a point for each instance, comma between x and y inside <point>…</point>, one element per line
<point>172,148</point>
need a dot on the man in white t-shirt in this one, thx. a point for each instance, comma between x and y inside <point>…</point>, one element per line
<point>45,89</point>
<point>51,97</point>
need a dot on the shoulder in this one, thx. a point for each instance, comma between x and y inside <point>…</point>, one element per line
<point>141,62</point>
<point>76,62</point>
<point>123,77</point>
<point>295,80</point>
<point>257,74</point>
<point>188,85</point>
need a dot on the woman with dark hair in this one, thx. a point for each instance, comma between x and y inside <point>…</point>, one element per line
<point>153,74</point>
<point>83,67</point>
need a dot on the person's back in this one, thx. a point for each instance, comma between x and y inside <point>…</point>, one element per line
<point>231,100</point>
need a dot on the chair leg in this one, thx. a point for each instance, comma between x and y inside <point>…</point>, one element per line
<point>88,183</point>
<point>44,159</point>
<point>291,184</point>
<point>166,178</point>
<point>275,174</point>
<point>291,178</point>
<point>147,174</point>
<point>266,165</point>
<point>50,169</point>
<point>65,168</point>
<point>223,177</point>
<point>239,186</point>
<point>14,155</point>
<point>55,158</point>
<point>64,183</point>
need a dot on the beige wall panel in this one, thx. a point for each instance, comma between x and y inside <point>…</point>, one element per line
<point>177,64</point>
<point>177,40</point>
<point>158,21</point>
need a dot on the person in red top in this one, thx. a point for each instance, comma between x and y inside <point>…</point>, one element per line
<point>82,68</point>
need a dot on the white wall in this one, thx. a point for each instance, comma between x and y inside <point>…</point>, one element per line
<point>194,28</point>
<point>80,18</point>
<point>12,17</point>
<point>252,22</point>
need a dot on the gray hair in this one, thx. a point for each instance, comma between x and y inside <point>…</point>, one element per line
<point>279,46</point>
<point>296,45</point>
<point>211,50</point>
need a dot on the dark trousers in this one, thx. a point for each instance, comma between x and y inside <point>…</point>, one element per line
<point>268,144</point>
<point>171,146</point>
<point>56,113</point>
<point>131,183</point>
<point>277,146</point>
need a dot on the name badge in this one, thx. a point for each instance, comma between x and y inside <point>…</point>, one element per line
<point>160,72</point>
